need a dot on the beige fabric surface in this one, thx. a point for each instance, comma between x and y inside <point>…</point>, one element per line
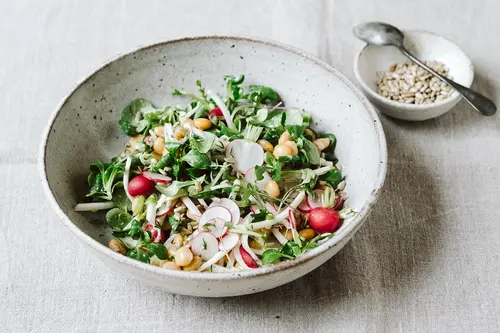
<point>427,260</point>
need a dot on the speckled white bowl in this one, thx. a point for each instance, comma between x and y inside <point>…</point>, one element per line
<point>426,46</point>
<point>84,129</point>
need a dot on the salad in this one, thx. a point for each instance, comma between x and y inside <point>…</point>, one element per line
<point>221,184</point>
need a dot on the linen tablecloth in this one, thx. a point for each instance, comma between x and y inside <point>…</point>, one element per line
<point>427,260</point>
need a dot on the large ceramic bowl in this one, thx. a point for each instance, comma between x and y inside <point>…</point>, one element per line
<point>84,129</point>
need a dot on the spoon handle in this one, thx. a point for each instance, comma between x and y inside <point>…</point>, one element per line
<point>478,101</point>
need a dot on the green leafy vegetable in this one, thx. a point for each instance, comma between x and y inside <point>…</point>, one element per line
<point>174,223</point>
<point>118,219</point>
<point>158,250</point>
<point>311,152</point>
<point>120,198</point>
<point>132,115</point>
<point>137,254</point>
<point>333,177</point>
<point>263,94</point>
<point>102,179</point>
<point>197,160</point>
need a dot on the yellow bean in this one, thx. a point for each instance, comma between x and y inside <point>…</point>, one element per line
<point>158,146</point>
<point>171,265</point>
<point>322,143</point>
<point>202,123</point>
<point>194,265</point>
<point>293,147</point>
<point>310,134</point>
<point>117,246</point>
<point>266,145</point>
<point>282,150</point>
<point>284,138</point>
<point>255,245</point>
<point>272,188</point>
<point>287,233</point>
<point>156,156</point>
<point>179,133</point>
<point>183,256</point>
<point>178,240</point>
<point>159,131</point>
<point>307,233</point>
<point>133,140</point>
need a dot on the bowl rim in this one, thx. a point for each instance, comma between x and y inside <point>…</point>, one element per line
<point>344,233</point>
<point>413,107</point>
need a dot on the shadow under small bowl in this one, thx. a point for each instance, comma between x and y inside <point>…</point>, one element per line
<point>84,129</point>
<point>425,46</point>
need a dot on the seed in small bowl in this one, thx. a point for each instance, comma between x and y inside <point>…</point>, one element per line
<point>411,84</point>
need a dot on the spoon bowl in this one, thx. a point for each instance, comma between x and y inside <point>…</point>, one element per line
<point>383,34</point>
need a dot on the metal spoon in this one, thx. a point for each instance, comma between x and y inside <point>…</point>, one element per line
<point>378,33</point>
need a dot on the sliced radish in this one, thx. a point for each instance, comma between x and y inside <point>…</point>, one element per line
<point>317,201</point>
<point>157,234</point>
<point>245,154</point>
<point>216,227</point>
<point>291,218</point>
<point>205,245</point>
<point>157,177</point>
<point>271,208</point>
<point>339,203</point>
<point>223,108</point>
<point>217,215</point>
<point>250,178</point>
<point>164,210</point>
<point>304,207</point>
<point>228,242</point>
<point>140,185</point>
<point>247,258</point>
<point>93,206</point>
<point>229,205</point>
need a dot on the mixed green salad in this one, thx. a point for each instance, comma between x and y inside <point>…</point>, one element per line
<point>222,184</point>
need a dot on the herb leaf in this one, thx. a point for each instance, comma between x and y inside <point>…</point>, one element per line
<point>174,223</point>
<point>132,115</point>
<point>118,219</point>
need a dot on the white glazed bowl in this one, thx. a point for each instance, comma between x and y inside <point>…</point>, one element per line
<point>426,46</point>
<point>84,129</point>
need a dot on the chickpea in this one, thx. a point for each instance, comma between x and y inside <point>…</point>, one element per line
<point>255,245</point>
<point>178,240</point>
<point>117,246</point>
<point>186,122</point>
<point>171,265</point>
<point>183,256</point>
<point>266,145</point>
<point>287,233</point>
<point>156,156</point>
<point>171,251</point>
<point>158,146</point>
<point>202,123</point>
<point>310,134</point>
<point>159,131</point>
<point>282,150</point>
<point>272,188</point>
<point>133,140</point>
<point>322,143</point>
<point>307,233</point>
<point>194,265</point>
<point>293,147</point>
<point>179,133</point>
<point>284,138</point>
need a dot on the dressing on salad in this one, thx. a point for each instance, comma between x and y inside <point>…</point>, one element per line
<point>223,184</point>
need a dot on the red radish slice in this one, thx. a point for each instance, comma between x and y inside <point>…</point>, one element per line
<point>317,201</point>
<point>271,208</point>
<point>164,210</point>
<point>157,234</point>
<point>157,177</point>
<point>147,140</point>
<point>217,112</point>
<point>291,218</point>
<point>304,207</point>
<point>339,203</point>
<point>324,220</point>
<point>205,245</point>
<point>245,154</point>
<point>228,242</point>
<point>247,258</point>
<point>140,185</point>
<point>231,206</point>
<point>250,178</point>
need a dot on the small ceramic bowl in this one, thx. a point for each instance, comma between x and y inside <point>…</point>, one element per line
<point>425,46</point>
<point>84,129</point>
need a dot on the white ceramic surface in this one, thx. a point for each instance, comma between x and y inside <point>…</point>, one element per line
<point>84,129</point>
<point>425,46</point>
